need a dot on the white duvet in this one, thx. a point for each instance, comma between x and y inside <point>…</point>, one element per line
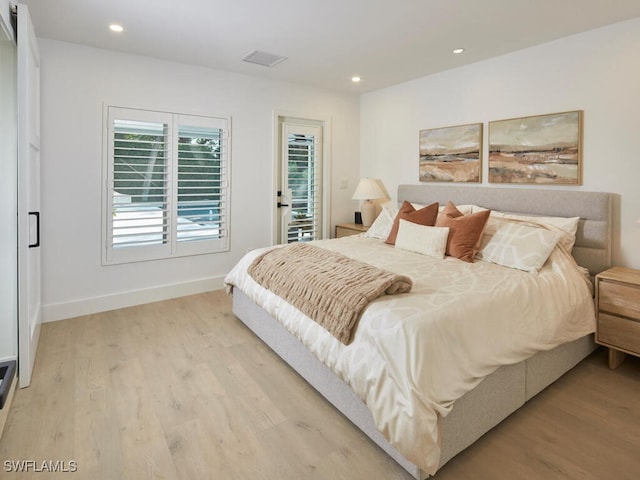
<point>414,354</point>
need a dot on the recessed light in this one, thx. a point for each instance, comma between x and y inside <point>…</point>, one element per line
<point>355,79</point>
<point>114,27</point>
<point>458,50</point>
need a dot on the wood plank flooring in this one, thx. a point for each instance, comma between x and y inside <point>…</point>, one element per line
<point>180,389</point>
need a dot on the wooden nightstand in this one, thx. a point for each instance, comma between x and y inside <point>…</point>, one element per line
<point>618,312</point>
<point>346,229</point>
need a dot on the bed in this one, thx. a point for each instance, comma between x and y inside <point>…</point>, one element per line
<point>492,397</point>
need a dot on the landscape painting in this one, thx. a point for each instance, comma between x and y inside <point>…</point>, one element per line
<point>451,154</point>
<point>541,149</point>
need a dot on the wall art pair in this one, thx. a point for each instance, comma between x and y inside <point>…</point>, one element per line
<point>541,149</point>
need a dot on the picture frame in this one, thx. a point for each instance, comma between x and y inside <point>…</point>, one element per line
<point>539,149</point>
<point>451,154</point>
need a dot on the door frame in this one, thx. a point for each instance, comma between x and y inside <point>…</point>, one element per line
<point>326,167</point>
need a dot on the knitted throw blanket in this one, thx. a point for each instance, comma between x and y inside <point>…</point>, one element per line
<point>328,287</point>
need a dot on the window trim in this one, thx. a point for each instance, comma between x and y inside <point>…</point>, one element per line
<point>173,248</point>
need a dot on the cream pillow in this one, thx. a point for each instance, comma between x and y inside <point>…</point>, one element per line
<point>477,208</point>
<point>517,245</point>
<point>568,225</point>
<point>381,226</point>
<point>431,241</point>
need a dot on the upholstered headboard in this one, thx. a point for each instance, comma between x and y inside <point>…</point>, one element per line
<point>593,239</point>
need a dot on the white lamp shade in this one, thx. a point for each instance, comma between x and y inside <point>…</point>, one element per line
<point>368,189</point>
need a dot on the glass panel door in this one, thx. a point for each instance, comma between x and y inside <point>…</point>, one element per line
<point>301,197</point>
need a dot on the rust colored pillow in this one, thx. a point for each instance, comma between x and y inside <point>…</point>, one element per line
<point>451,210</point>
<point>425,216</point>
<point>464,231</point>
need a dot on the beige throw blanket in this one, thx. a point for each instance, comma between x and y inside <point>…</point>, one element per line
<point>328,287</point>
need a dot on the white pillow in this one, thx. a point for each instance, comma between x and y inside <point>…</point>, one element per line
<point>431,241</point>
<point>463,209</point>
<point>477,208</point>
<point>517,245</point>
<point>381,226</point>
<point>568,225</point>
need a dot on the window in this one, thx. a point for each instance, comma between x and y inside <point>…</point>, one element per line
<point>167,186</point>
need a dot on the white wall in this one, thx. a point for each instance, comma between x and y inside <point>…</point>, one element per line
<point>596,71</point>
<point>75,81</point>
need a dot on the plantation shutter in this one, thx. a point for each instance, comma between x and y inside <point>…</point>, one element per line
<point>167,185</point>
<point>140,184</point>
<point>202,173</point>
<point>304,182</point>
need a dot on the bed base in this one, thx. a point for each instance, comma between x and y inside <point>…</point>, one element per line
<point>472,416</point>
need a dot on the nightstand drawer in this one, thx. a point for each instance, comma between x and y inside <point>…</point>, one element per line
<point>347,229</point>
<point>618,298</point>
<point>619,332</point>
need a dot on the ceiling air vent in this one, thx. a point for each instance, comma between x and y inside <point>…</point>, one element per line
<point>264,58</point>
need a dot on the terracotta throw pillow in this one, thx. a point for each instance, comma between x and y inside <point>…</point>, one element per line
<point>425,216</point>
<point>464,231</point>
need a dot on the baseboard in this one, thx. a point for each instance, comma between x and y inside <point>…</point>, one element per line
<point>86,306</point>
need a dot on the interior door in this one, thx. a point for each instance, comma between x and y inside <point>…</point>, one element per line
<point>8,191</point>
<point>300,190</point>
<point>29,261</point>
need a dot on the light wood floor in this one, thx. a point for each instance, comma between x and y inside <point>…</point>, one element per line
<point>182,390</point>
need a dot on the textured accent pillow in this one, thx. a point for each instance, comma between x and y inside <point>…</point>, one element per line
<point>517,245</point>
<point>569,225</point>
<point>426,240</point>
<point>425,216</point>
<point>381,226</point>
<point>465,231</point>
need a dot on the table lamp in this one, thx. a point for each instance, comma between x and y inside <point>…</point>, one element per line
<point>367,190</point>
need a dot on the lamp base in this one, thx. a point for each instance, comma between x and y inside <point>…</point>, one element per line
<point>368,210</point>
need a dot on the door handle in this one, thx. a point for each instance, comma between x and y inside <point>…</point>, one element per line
<point>37,242</point>
<point>280,205</point>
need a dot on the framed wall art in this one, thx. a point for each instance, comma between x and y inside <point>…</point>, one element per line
<point>539,149</point>
<point>451,154</point>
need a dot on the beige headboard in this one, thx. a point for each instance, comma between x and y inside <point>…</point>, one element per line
<point>593,239</point>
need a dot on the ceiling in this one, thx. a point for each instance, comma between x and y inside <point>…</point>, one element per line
<point>326,42</point>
